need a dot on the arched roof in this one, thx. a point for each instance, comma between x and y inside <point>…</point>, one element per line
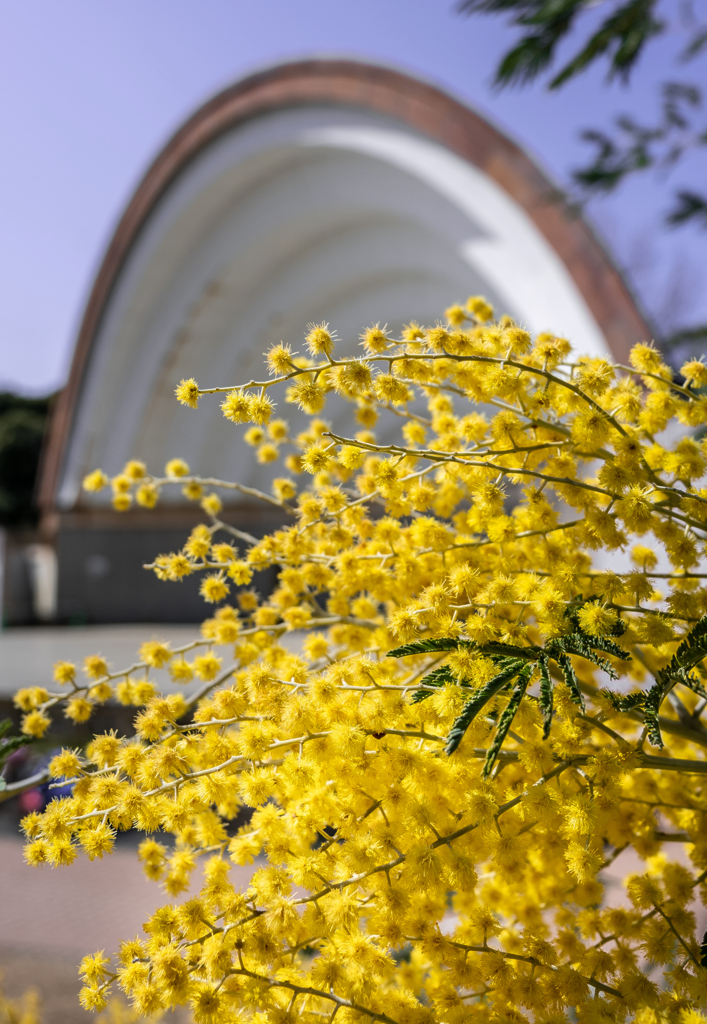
<point>315,190</point>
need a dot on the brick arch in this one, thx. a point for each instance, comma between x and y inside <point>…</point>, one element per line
<point>419,105</point>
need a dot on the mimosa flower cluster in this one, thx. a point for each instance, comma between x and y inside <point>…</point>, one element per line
<point>476,687</point>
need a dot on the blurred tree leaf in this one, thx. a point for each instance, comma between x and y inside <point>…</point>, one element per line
<point>688,206</point>
<point>9,743</point>
<point>22,426</point>
<point>635,147</point>
<point>620,38</point>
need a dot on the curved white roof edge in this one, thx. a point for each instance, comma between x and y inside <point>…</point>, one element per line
<point>304,210</point>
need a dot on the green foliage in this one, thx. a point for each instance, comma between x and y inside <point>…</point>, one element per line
<point>545,700</point>
<point>506,719</point>
<point>518,665</point>
<point>9,744</point>
<point>689,206</point>
<point>545,23</point>
<point>635,147</point>
<point>22,426</point>
<point>480,700</point>
<point>440,677</point>
<point>620,38</point>
<point>429,646</point>
<point>691,651</point>
<point>689,654</point>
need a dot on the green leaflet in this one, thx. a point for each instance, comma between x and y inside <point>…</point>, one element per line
<point>692,649</point>
<point>506,719</point>
<point>690,652</point>
<point>477,702</point>
<point>651,707</point>
<point>625,702</point>
<point>9,744</point>
<point>545,702</point>
<point>648,703</point>
<point>571,681</point>
<point>497,649</point>
<point>433,644</point>
<point>439,677</point>
<point>695,685</point>
<point>428,646</point>
<point>584,645</point>
<point>513,661</point>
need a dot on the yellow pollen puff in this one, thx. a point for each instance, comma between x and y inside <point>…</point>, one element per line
<point>279,359</point>
<point>389,389</point>
<point>214,588</point>
<point>64,672</point>
<point>308,396</point>
<point>278,430</point>
<point>240,572</point>
<point>79,709</point>
<point>94,665</point>
<point>212,504</point>
<point>413,332</point>
<point>283,489</point>
<point>695,373</point>
<point>319,340</point>
<point>646,358</point>
<point>260,409</point>
<point>35,724</point>
<point>480,308</point>
<point>187,392</point>
<point>155,653</point>
<point>95,481</point>
<point>207,666</point>
<point>134,469</point>
<point>122,501</point>
<point>456,315</point>
<point>517,340</point>
<point>176,468</point>
<point>236,407</point>
<point>122,483</point>
<point>192,490</point>
<point>147,495</point>
<point>316,458</point>
<point>375,339</point>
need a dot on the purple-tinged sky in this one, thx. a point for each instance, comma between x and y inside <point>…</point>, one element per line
<point>89,92</point>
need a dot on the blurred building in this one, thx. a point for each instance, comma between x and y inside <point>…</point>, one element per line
<point>323,190</point>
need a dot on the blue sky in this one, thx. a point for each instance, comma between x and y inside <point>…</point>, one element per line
<point>90,91</point>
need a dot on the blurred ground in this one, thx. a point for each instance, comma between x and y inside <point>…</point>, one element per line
<point>51,918</point>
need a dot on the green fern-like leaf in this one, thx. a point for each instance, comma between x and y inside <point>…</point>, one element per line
<point>650,708</point>
<point>497,649</point>
<point>695,685</point>
<point>624,701</point>
<point>691,651</point>
<point>8,743</point>
<point>506,719</point>
<point>440,677</point>
<point>545,702</point>
<point>570,678</point>
<point>479,701</point>
<point>429,645</point>
<point>585,646</point>
<point>647,702</point>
